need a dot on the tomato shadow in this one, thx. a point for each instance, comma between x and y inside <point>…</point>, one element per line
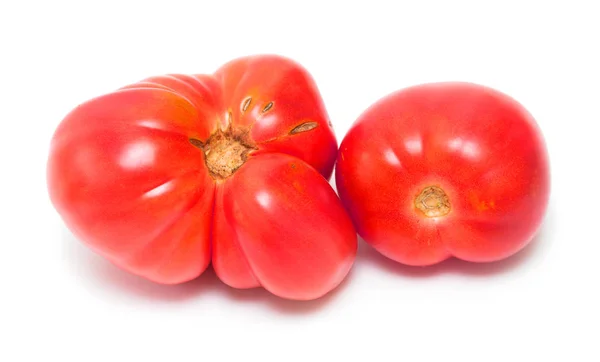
<point>534,250</point>
<point>286,306</point>
<point>101,276</point>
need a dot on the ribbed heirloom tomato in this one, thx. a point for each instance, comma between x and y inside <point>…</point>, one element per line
<point>165,175</point>
<point>445,169</point>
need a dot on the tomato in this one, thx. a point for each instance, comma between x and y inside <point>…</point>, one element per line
<point>445,169</point>
<point>164,176</point>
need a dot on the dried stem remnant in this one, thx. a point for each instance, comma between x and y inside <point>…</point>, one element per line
<point>225,152</point>
<point>267,107</point>
<point>306,126</point>
<point>433,202</point>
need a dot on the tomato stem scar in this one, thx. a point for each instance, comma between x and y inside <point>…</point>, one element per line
<point>225,151</point>
<point>433,202</point>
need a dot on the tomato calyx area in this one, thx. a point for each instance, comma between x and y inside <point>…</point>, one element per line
<point>433,202</point>
<point>225,151</point>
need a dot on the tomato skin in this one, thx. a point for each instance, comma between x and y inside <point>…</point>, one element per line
<point>128,172</point>
<point>290,259</point>
<point>479,146</point>
<point>123,177</point>
<point>268,80</point>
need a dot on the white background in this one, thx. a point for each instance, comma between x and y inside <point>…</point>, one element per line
<point>60,301</point>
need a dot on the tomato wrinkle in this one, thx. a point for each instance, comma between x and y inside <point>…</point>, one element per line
<point>180,78</point>
<point>211,231</point>
<point>236,242</point>
<point>194,201</point>
<point>177,244</point>
<point>147,85</point>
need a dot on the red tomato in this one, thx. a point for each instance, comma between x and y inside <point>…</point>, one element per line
<point>168,174</point>
<point>445,169</point>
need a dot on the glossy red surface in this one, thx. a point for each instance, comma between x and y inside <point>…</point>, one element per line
<point>128,173</point>
<point>479,146</point>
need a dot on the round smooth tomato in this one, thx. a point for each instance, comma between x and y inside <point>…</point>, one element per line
<point>445,169</point>
<point>164,176</point>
